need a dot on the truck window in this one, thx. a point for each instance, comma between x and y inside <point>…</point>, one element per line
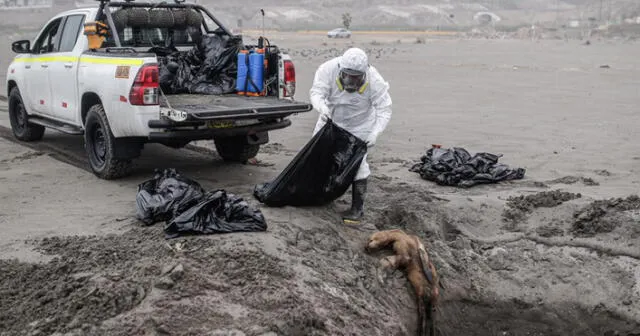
<point>149,37</point>
<point>49,40</point>
<point>70,32</point>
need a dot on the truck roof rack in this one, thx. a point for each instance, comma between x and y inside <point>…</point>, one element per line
<point>142,4</point>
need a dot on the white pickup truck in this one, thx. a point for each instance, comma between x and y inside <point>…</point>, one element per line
<point>113,95</point>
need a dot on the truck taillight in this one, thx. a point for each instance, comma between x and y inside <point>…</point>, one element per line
<point>145,87</point>
<point>289,79</point>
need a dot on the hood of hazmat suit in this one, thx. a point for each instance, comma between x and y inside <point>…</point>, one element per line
<point>353,70</point>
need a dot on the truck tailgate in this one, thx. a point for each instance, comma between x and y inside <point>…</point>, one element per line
<point>233,106</point>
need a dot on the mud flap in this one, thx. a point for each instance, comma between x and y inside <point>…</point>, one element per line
<point>258,138</point>
<point>128,148</point>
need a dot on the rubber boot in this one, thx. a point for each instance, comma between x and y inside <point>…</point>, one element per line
<point>355,214</point>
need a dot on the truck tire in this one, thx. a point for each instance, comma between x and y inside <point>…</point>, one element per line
<point>138,17</point>
<point>100,146</point>
<point>20,125</point>
<point>120,18</point>
<point>161,18</point>
<point>235,149</point>
<point>194,18</point>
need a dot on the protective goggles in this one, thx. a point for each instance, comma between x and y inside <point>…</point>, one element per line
<point>352,80</point>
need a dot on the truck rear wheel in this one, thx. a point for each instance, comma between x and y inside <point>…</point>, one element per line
<point>20,125</point>
<point>236,149</point>
<point>100,146</point>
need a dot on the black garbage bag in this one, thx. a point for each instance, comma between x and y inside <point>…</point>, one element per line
<point>167,194</point>
<point>219,53</point>
<point>187,209</point>
<point>220,85</point>
<point>209,68</point>
<point>167,70</point>
<point>456,167</point>
<point>217,212</point>
<point>321,172</point>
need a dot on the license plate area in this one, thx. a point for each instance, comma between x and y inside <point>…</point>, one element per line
<point>217,124</point>
<point>232,123</point>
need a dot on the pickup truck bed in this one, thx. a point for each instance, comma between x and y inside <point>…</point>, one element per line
<point>210,116</point>
<point>208,107</point>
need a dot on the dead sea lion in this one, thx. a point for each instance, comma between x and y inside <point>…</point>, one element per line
<point>411,255</point>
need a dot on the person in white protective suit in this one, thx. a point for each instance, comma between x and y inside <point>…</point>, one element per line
<point>351,92</point>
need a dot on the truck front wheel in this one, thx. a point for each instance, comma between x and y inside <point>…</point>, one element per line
<point>22,129</point>
<point>236,149</point>
<point>101,146</point>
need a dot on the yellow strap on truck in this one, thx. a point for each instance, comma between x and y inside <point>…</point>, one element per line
<point>84,59</point>
<point>46,59</point>
<point>111,60</point>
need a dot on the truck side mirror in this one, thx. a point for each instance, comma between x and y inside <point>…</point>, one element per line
<point>21,47</point>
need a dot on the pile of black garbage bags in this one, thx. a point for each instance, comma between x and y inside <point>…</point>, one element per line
<point>456,167</point>
<point>209,68</point>
<point>187,208</point>
<point>321,172</point>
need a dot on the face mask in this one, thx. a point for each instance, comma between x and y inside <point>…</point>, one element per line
<point>352,81</point>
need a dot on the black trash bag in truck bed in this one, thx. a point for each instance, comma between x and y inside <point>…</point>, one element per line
<point>209,68</point>
<point>456,167</point>
<point>187,209</point>
<point>321,172</point>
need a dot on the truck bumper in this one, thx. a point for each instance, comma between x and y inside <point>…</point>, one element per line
<point>173,130</point>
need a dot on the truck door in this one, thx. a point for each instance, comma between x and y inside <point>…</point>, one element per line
<point>63,73</point>
<point>37,68</point>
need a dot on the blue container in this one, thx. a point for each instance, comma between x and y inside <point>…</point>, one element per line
<point>256,72</point>
<point>243,69</point>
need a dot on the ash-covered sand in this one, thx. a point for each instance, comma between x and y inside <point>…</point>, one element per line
<point>309,275</point>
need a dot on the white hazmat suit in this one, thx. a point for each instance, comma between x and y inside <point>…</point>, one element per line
<point>365,113</point>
